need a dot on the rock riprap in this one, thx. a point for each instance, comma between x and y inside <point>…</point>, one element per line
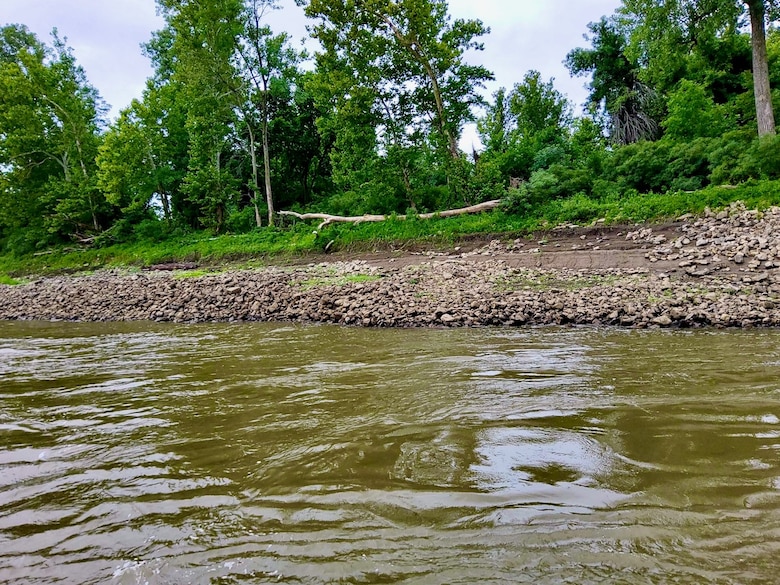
<point>721,269</point>
<point>437,292</point>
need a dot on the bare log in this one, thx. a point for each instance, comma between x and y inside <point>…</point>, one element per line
<point>328,219</point>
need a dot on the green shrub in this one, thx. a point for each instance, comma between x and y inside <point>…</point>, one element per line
<point>243,220</point>
<point>151,230</point>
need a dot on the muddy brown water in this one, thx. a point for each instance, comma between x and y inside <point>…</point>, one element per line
<point>261,453</point>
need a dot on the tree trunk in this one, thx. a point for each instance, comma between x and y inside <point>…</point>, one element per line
<point>452,144</point>
<point>269,197</point>
<point>328,218</point>
<point>764,113</point>
<point>166,203</point>
<point>164,199</point>
<point>253,157</point>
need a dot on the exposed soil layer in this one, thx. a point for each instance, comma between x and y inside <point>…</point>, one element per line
<point>718,270</point>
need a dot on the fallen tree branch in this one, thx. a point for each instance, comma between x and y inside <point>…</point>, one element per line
<point>328,218</point>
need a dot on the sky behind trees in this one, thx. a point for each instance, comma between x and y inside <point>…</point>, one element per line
<point>105,36</point>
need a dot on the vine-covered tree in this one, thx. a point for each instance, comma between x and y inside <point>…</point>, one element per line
<point>624,103</point>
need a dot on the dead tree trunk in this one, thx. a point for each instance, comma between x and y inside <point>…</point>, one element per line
<point>328,219</point>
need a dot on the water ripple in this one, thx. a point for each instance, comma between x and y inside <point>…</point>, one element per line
<point>142,453</point>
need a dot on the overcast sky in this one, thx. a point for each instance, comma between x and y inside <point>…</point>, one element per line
<point>106,34</point>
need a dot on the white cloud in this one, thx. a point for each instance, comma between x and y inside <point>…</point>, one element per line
<point>105,37</point>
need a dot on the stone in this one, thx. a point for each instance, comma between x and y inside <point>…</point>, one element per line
<point>663,320</point>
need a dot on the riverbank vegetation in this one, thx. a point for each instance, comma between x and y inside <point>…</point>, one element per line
<point>237,124</point>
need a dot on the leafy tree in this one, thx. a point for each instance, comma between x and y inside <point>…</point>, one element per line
<point>539,111</point>
<point>142,160</point>
<point>394,69</point>
<point>231,64</point>
<point>526,128</point>
<point>628,107</point>
<point>494,127</point>
<point>662,29</point>
<point>301,162</point>
<point>198,45</point>
<point>693,114</point>
<point>51,120</point>
<point>266,63</point>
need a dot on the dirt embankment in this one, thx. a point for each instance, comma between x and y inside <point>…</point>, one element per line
<point>718,270</point>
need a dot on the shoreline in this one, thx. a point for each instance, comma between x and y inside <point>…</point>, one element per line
<point>721,270</point>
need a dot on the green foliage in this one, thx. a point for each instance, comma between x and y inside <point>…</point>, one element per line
<point>394,88</point>
<point>693,114</point>
<point>8,281</point>
<point>228,129</point>
<point>628,108</point>
<point>51,120</point>
<point>151,230</point>
<point>539,111</point>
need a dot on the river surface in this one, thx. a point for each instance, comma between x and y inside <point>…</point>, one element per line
<point>257,453</point>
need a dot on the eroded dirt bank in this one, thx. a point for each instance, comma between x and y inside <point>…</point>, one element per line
<point>718,270</point>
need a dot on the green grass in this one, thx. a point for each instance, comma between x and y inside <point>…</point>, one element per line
<point>197,273</point>
<point>336,280</point>
<point>279,244</point>
<point>529,281</point>
<point>4,279</point>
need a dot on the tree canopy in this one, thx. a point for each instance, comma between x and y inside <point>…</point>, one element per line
<point>235,123</point>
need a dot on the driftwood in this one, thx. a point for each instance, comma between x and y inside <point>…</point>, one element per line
<point>328,219</point>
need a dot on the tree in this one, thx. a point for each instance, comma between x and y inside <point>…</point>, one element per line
<point>231,64</point>
<point>266,60</point>
<point>301,162</point>
<point>494,127</point>
<point>525,127</point>
<point>400,62</point>
<point>627,106</point>
<point>661,29</point>
<point>142,159</point>
<point>51,120</point>
<point>539,111</point>
<point>758,11</point>
<point>693,113</point>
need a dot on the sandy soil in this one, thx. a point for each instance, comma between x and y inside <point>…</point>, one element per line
<point>575,248</point>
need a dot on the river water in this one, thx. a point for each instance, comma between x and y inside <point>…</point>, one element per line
<point>257,453</point>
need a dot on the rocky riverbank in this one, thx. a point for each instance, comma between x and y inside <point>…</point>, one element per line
<point>719,270</point>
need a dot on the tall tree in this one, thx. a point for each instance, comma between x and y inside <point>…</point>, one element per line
<point>494,127</point>
<point>538,109</point>
<point>405,59</point>
<point>662,29</point>
<point>758,11</point>
<point>231,63</point>
<point>202,39</point>
<point>625,104</point>
<point>51,120</point>
<point>266,63</point>
<point>519,125</point>
<point>142,160</point>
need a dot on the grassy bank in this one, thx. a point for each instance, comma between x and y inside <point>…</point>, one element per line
<point>278,244</point>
